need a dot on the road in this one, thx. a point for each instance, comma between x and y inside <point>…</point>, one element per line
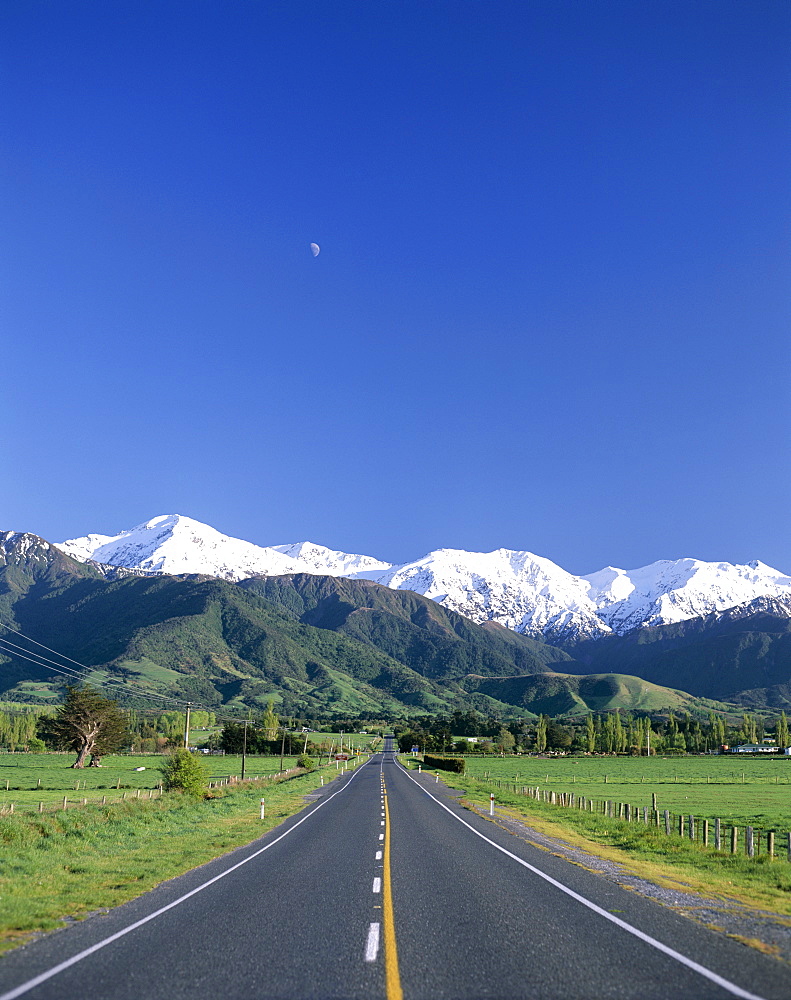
<point>384,887</point>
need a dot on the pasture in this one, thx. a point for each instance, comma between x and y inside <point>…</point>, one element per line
<point>27,779</point>
<point>745,791</point>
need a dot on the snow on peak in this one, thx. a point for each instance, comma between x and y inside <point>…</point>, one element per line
<point>520,590</point>
<point>172,543</point>
<point>670,591</point>
<point>517,589</point>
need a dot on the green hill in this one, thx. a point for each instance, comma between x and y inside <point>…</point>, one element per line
<point>557,694</point>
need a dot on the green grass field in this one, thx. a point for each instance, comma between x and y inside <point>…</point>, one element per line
<point>743,791</point>
<point>26,779</point>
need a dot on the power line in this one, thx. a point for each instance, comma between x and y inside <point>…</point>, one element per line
<point>85,671</point>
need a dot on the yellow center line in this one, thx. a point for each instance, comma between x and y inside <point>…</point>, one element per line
<point>393,989</point>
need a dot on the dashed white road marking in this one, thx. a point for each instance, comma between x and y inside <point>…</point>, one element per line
<point>378,856</point>
<point>377,885</point>
<point>372,943</point>
<point>381,836</point>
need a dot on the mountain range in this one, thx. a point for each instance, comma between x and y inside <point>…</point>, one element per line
<point>526,593</point>
<point>325,643</point>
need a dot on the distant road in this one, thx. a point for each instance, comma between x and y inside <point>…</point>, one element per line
<point>385,888</point>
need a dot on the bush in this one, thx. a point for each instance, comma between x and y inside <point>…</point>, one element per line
<point>184,772</point>
<point>455,764</point>
<point>306,761</point>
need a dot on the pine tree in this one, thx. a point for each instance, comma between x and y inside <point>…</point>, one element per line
<point>88,723</point>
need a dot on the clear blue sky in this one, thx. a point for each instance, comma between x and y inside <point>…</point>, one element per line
<point>551,309</point>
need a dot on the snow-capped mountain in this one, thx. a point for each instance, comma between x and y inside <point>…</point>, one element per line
<point>674,591</point>
<point>517,589</point>
<point>522,591</point>
<point>175,544</point>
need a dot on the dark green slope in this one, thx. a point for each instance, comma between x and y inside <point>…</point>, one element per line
<point>745,651</point>
<point>439,644</point>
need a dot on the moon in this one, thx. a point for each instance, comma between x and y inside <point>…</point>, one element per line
<point>315,249</point>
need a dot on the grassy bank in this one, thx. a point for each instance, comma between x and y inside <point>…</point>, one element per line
<point>643,849</point>
<point>65,864</point>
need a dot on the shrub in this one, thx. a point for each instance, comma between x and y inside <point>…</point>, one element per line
<point>306,761</point>
<point>184,772</point>
<point>455,764</point>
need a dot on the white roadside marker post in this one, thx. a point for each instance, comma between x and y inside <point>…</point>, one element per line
<point>418,768</point>
<point>263,808</point>
<point>491,804</point>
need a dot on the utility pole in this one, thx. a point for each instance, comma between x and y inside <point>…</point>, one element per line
<point>282,749</point>
<point>187,727</point>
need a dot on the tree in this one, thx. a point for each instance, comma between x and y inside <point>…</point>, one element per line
<point>88,723</point>
<point>558,737</point>
<point>269,722</point>
<point>505,741</point>
<point>541,733</point>
<point>184,772</point>
<point>781,732</point>
<point>590,734</point>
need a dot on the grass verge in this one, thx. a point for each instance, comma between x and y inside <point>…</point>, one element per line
<point>62,866</point>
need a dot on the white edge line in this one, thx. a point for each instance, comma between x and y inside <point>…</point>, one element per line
<point>700,969</point>
<point>55,970</point>
<point>372,943</point>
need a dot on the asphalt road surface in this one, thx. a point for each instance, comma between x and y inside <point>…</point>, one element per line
<point>384,887</point>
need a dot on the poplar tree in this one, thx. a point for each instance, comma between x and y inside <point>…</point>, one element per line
<point>590,734</point>
<point>781,732</point>
<point>541,733</point>
<point>269,721</point>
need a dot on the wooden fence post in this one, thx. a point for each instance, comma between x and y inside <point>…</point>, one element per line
<point>667,822</point>
<point>734,839</point>
<point>770,843</point>
<point>748,842</point>
<point>691,827</point>
<point>653,801</point>
<point>681,825</point>
<point>705,833</point>
<point>717,835</point>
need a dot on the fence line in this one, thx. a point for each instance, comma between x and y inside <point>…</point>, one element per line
<point>9,808</point>
<point>687,826</point>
